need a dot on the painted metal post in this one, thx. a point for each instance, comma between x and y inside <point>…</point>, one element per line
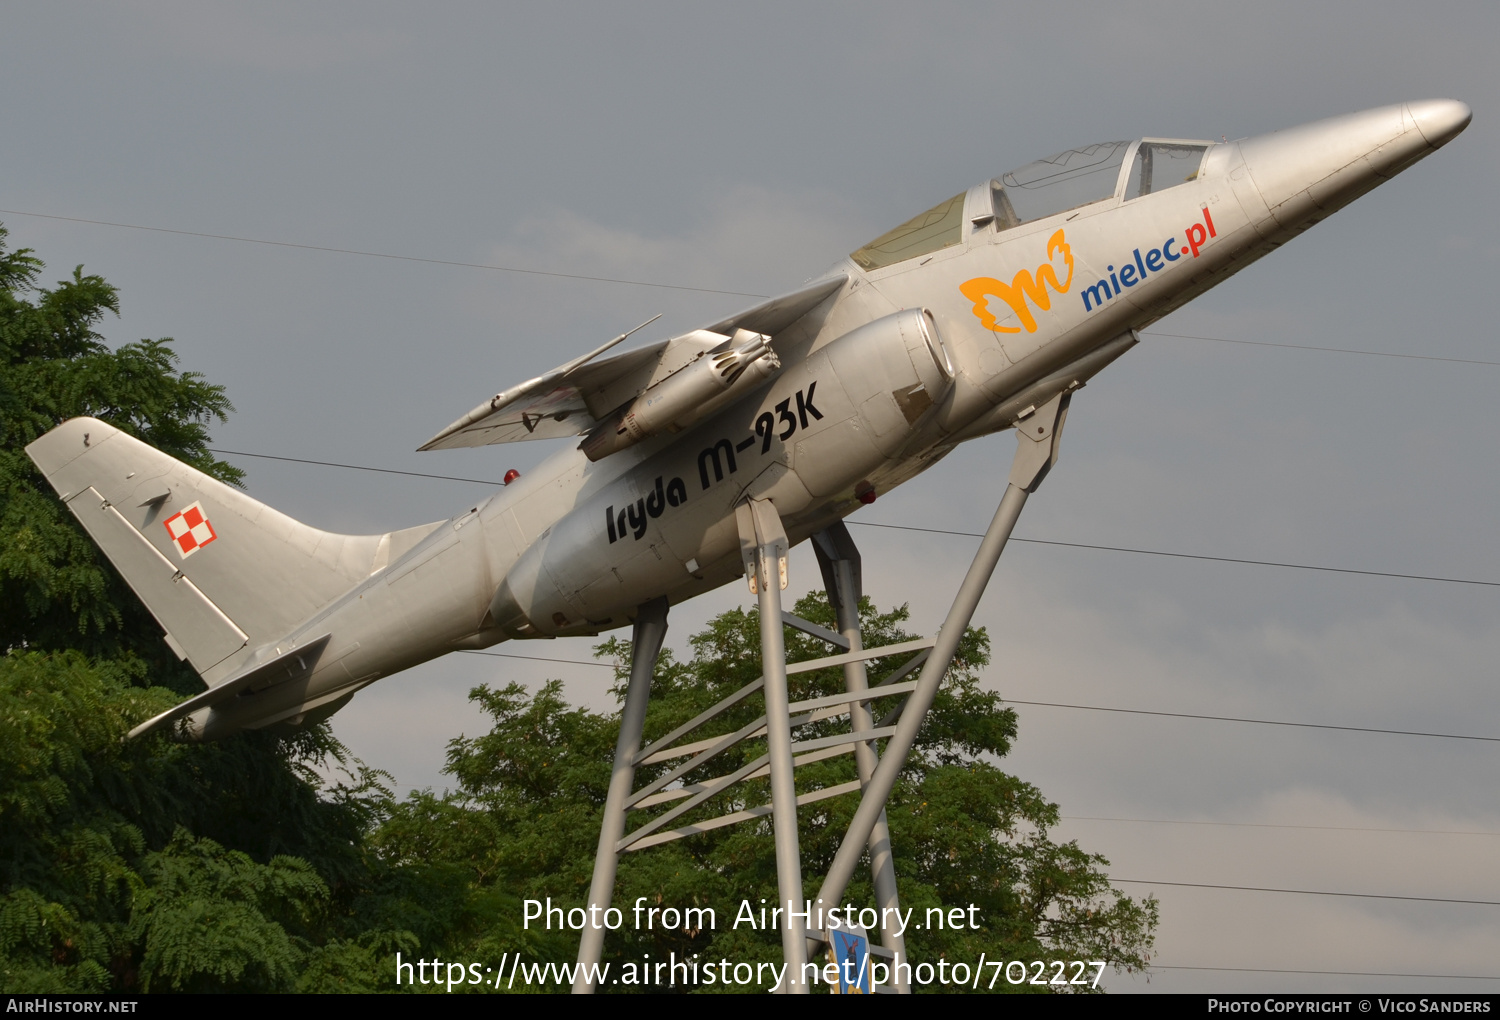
<point>1036,452</point>
<point>839,558</point>
<point>763,550</point>
<point>646,639</point>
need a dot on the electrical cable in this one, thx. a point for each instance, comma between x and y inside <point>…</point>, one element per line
<point>352,467</point>
<point>661,286</point>
<point>1102,708</point>
<point>1331,973</point>
<point>1261,722</point>
<point>1310,892</point>
<point>383,255</point>
<point>939,531</point>
<point>1276,825</point>
<point>1189,556</point>
<point>1197,885</point>
<point>538,658</point>
<point>1035,541</point>
<point>1326,350</point>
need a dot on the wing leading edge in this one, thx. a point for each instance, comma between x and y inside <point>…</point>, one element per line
<point>573,398</point>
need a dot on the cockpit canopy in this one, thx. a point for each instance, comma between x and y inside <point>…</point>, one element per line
<point>1056,184</point>
<point>1046,187</point>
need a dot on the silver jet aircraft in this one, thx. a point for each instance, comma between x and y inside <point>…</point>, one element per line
<point>959,323</point>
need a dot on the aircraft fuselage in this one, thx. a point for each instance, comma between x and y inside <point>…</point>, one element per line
<point>908,358</point>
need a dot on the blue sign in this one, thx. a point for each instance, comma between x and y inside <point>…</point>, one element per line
<point>851,952</point>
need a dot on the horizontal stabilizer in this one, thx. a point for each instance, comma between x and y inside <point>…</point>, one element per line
<point>289,665</point>
<point>572,399</point>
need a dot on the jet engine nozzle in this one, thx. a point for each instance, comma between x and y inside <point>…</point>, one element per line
<point>687,395</point>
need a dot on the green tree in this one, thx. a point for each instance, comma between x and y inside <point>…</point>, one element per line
<point>147,865</point>
<point>56,589</point>
<point>524,820</point>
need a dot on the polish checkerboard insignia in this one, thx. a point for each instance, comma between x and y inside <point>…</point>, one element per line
<point>190,529</point>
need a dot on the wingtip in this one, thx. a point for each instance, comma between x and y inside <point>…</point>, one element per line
<point>479,413</point>
<point>154,723</point>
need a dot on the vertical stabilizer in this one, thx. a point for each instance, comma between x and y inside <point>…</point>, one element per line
<point>222,573</point>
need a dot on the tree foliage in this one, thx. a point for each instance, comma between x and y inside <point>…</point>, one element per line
<point>525,818</point>
<point>56,590</point>
<point>148,865</point>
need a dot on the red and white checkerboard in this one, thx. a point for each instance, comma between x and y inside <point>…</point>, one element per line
<point>190,529</point>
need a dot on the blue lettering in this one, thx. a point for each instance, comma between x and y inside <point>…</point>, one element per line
<point>1096,295</point>
<point>1154,261</point>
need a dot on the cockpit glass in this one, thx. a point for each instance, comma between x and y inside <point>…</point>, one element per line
<point>1058,183</point>
<point>1068,180</point>
<point>1161,165</point>
<point>938,227</point>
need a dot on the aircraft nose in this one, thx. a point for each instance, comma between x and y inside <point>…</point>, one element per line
<point>1305,173</point>
<point>1440,120</point>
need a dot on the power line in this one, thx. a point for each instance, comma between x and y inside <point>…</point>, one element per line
<point>1035,541</point>
<point>1326,350</point>
<point>1276,825</point>
<point>1156,821</point>
<point>382,254</point>
<point>1311,892</point>
<point>1330,973</point>
<point>353,467</point>
<point>1128,711</point>
<point>660,286</point>
<point>939,531</point>
<point>1189,556</point>
<point>1261,722</point>
<point>538,658</point>
<point>1207,885</point>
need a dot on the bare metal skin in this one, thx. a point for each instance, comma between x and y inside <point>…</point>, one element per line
<point>949,328</point>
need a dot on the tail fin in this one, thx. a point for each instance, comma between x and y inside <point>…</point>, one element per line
<point>221,573</point>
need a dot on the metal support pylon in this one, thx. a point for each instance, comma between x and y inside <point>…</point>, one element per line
<point>839,559</point>
<point>1036,451</point>
<point>763,550</point>
<point>647,635</point>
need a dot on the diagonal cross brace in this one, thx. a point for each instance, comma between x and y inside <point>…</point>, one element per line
<point>1036,452</point>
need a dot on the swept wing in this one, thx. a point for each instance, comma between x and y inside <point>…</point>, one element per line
<point>573,398</point>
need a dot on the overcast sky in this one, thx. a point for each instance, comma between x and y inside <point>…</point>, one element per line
<point>744,148</point>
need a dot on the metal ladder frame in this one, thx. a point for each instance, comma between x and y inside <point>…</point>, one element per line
<point>763,548</point>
